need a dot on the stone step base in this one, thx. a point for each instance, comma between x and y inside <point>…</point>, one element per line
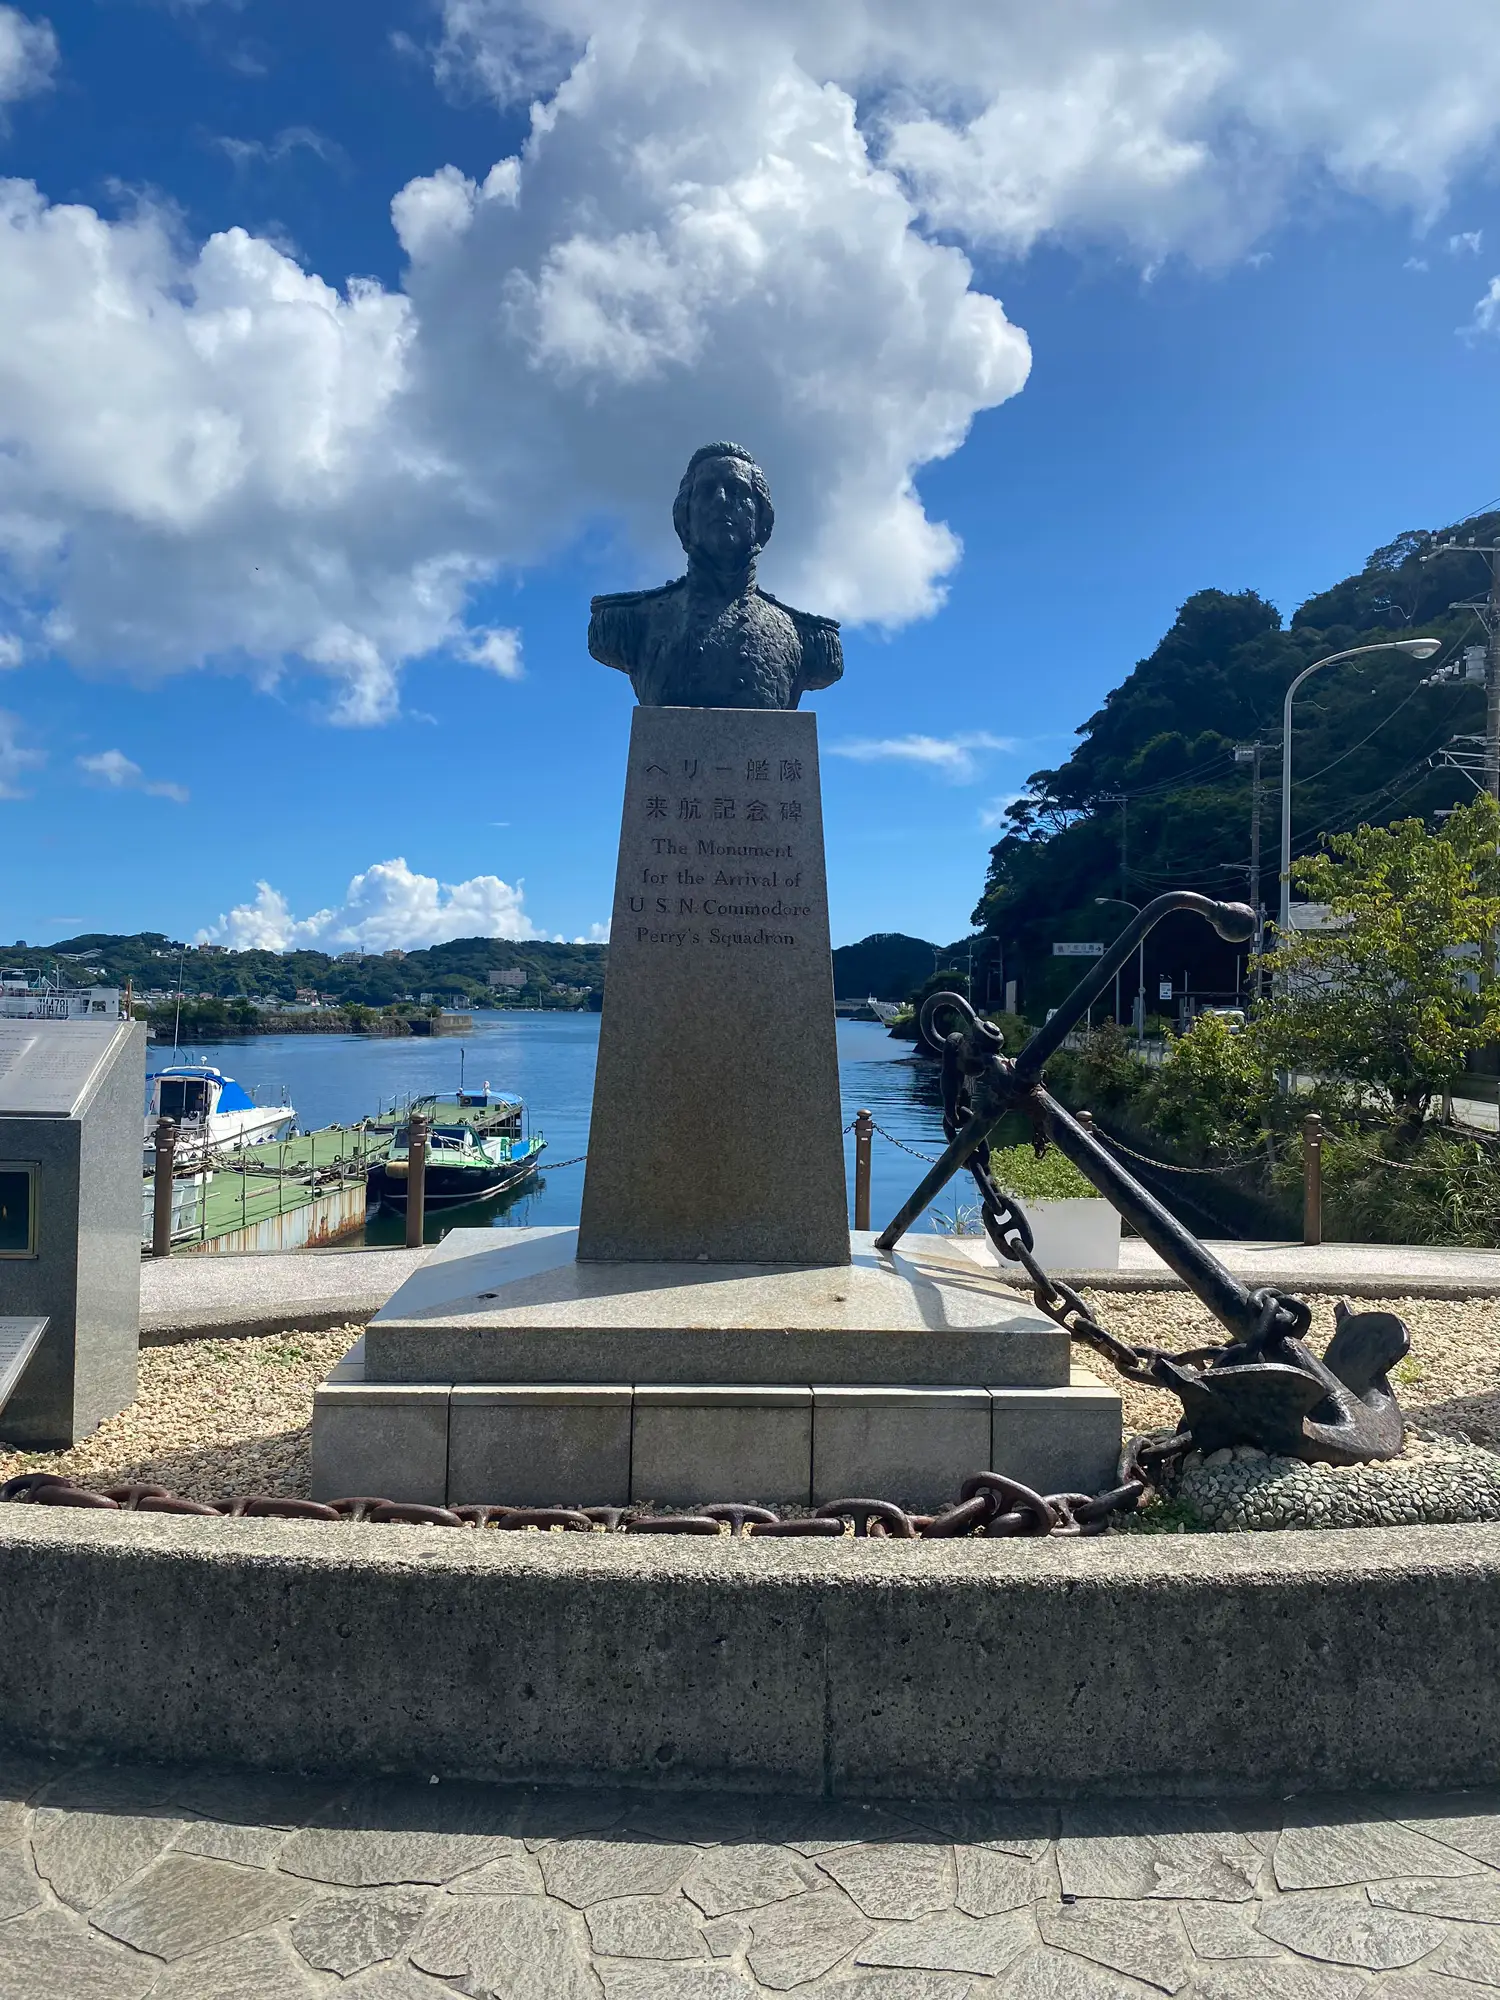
<point>547,1444</point>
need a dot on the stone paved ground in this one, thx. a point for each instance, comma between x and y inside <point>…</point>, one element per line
<point>148,1884</point>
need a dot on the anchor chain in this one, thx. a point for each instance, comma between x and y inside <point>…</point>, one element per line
<point>988,1505</point>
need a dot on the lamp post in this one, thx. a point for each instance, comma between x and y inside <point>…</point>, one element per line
<point>1419,649</point>
<point>1140,995</point>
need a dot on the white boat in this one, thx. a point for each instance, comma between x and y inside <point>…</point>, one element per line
<point>28,996</point>
<point>214,1113</point>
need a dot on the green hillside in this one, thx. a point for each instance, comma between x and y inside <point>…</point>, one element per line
<point>453,972</point>
<point>1366,736</point>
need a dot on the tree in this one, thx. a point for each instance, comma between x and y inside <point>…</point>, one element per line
<point>1399,986</point>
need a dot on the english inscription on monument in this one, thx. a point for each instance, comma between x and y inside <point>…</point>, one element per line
<point>716,1128</point>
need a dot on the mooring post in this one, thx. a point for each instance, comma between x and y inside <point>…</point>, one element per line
<point>416,1178</point>
<point>161,1210</point>
<point>1312,1178</point>
<point>864,1133</point>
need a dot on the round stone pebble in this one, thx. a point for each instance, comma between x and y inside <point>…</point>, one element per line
<point>1434,1480</point>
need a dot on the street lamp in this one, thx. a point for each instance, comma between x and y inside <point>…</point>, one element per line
<point>1140,997</point>
<point>1419,649</point>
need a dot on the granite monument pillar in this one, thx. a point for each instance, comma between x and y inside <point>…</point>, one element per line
<point>716,1127</point>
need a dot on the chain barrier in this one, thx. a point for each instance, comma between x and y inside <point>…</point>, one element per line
<point>988,1505</point>
<point>927,1159</point>
<point>555,1166</point>
<point>1171,1166</point>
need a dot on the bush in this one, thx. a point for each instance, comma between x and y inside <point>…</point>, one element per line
<point>1050,1178</point>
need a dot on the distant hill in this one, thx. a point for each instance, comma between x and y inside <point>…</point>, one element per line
<point>889,965</point>
<point>453,972</point>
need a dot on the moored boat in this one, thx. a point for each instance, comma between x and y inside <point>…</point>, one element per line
<point>477,1146</point>
<point>214,1113</point>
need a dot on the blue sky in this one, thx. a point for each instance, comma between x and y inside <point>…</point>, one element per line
<point>294,570</point>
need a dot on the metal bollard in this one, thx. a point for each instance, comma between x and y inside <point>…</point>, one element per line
<point>161,1208</point>
<point>864,1133</point>
<point>1312,1178</point>
<point>416,1179</point>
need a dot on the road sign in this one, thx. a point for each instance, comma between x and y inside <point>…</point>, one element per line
<point>1078,951</point>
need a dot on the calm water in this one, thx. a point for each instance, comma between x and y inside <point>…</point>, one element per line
<point>548,1059</point>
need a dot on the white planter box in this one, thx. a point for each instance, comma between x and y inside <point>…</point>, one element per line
<point>1077,1235</point>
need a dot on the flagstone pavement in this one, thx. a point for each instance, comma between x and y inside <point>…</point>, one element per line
<point>119,1883</point>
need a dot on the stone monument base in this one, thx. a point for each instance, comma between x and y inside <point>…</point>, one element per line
<point>507,1372</point>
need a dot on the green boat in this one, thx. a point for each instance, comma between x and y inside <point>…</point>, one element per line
<point>477,1147</point>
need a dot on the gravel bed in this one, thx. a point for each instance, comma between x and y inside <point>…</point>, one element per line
<point>216,1417</point>
<point>213,1417</point>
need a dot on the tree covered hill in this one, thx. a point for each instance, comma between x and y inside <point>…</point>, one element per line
<point>454,971</point>
<point>1152,798</point>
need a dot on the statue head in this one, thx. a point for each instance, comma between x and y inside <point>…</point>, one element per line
<point>723,513</point>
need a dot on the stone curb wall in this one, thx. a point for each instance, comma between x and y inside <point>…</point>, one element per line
<point>1235,1665</point>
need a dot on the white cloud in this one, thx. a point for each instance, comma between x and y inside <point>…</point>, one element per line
<point>115,771</point>
<point>16,758</point>
<point>498,648</point>
<point>28,55</point>
<point>745,220</point>
<point>951,756</point>
<point>1467,242</point>
<point>1486,311</point>
<point>270,153</point>
<point>385,906</point>
<point>12,652</point>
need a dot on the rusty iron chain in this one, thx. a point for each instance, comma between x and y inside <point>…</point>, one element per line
<point>988,1504</point>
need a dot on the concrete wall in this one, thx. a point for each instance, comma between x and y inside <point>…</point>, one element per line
<point>1252,1664</point>
<point>86,1274</point>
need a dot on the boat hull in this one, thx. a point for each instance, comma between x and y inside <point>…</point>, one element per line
<point>452,1187</point>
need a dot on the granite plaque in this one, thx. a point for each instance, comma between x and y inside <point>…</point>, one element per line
<point>716,1126</point>
<point>47,1067</point>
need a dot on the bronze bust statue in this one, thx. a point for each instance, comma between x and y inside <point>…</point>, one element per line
<point>713,638</point>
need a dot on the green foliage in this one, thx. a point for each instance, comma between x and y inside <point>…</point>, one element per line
<point>1213,1090</point>
<point>455,971</point>
<point>1165,738</point>
<point>1050,1178</point>
<point>1401,987</point>
<point>1436,1190</point>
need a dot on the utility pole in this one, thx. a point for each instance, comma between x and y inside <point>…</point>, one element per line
<point>1122,801</point>
<point>1487,610</point>
<point>1251,753</point>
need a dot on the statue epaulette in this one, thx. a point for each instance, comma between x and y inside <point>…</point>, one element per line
<point>809,621</point>
<point>613,598</point>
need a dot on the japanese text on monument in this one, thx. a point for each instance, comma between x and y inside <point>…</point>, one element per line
<point>719,862</point>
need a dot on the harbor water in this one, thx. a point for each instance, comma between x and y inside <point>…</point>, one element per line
<point>548,1059</point>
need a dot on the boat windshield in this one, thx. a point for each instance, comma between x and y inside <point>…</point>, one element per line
<point>181,1097</point>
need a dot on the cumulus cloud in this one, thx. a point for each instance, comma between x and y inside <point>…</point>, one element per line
<point>28,55</point>
<point>951,756</point>
<point>747,220</point>
<point>385,906</point>
<point>115,771</point>
<point>16,757</point>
